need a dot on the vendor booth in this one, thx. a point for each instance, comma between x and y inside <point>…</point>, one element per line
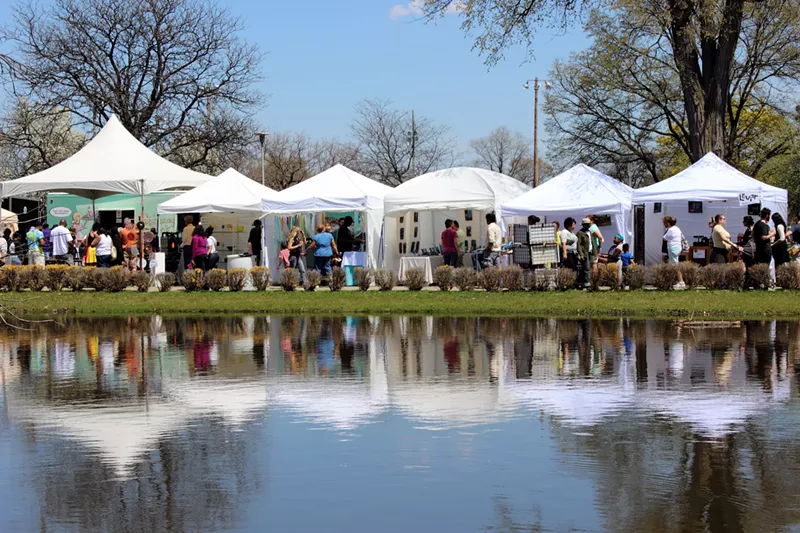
<point>324,198</point>
<point>10,220</point>
<point>419,207</point>
<point>579,192</point>
<point>113,162</point>
<point>708,187</point>
<point>229,203</point>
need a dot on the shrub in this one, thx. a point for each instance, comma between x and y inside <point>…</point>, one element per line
<point>415,279</point>
<point>565,279</point>
<point>313,279</point>
<point>636,276</point>
<point>386,279</point>
<point>77,278</point>
<point>288,279</point>
<point>165,281</point>
<point>115,279</point>
<point>338,279</point>
<point>759,277</point>
<point>237,277</point>
<point>489,279</point>
<point>56,276</point>
<point>260,277</point>
<point>31,277</point>
<point>691,273</point>
<point>735,276</point>
<point>788,276</point>
<point>513,278</point>
<point>193,279</point>
<point>711,277</point>
<point>443,277</point>
<point>609,275</point>
<point>216,279</point>
<point>596,276</point>
<point>141,280</point>
<point>539,281</point>
<point>363,278</point>
<point>465,278</point>
<point>665,276</point>
<point>8,276</point>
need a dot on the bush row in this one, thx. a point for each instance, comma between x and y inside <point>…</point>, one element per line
<point>662,277</point>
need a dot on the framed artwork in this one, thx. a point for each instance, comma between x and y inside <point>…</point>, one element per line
<point>416,218</point>
<point>416,231</point>
<point>657,207</point>
<point>602,220</point>
<point>468,215</point>
<point>402,234</point>
<point>469,231</point>
<point>402,219</point>
<point>695,207</point>
<point>754,210</point>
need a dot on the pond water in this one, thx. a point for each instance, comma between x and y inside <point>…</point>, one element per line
<point>365,424</point>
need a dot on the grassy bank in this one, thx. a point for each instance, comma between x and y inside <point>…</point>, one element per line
<point>639,304</point>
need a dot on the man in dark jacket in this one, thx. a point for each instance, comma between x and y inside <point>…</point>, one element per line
<point>584,253</point>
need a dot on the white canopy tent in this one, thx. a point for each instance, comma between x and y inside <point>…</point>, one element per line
<point>721,189</point>
<point>577,193</point>
<point>9,219</point>
<point>335,190</point>
<point>228,202</point>
<point>464,194</point>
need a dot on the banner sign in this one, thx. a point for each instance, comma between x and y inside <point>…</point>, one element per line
<point>747,199</point>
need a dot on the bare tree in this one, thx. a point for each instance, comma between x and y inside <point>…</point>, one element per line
<point>393,148</point>
<point>327,153</point>
<point>175,72</point>
<point>505,152</point>
<point>286,157</point>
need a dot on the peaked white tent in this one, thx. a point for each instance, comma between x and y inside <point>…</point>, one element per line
<point>337,189</point>
<point>111,163</point>
<point>463,193</point>
<point>230,192</point>
<point>576,193</point>
<point>720,187</point>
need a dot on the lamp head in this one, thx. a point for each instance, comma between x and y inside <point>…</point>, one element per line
<point>526,86</point>
<point>548,85</point>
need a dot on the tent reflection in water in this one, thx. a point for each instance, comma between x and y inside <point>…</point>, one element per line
<point>721,189</point>
<point>336,190</point>
<point>425,202</point>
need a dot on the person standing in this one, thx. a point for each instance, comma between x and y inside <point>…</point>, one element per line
<point>60,239</point>
<point>674,238</point>
<point>324,248</point>
<point>297,245</point>
<point>3,251</point>
<point>119,251</point>
<point>199,248</point>
<point>762,235</point>
<point>345,239</point>
<point>494,241</point>
<point>584,248</point>
<point>186,240</point>
<point>597,239</point>
<point>779,250</point>
<point>130,244</point>
<point>462,243</point>
<point>102,244</point>
<point>449,240</point>
<point>35,239</point>
<point>569,245</point>
<point>46,246</point>
<point>213,254</point>
<point>254,246</point>
<point>747,245</point>
<point>721,241</point>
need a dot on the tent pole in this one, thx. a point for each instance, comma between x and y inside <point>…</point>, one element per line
<point>94,211</point>
<point>141,233</point>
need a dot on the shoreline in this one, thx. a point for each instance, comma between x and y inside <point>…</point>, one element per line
<point>644,304</point>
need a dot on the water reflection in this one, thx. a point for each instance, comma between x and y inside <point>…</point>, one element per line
<point>496,424</point>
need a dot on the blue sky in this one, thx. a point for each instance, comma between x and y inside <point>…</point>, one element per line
<point>323,57</point>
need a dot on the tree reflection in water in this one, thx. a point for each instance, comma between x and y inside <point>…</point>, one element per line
<point>677,429</point>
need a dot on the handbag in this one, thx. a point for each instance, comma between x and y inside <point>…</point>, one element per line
<point>114,253</point>
<point>684,244</point>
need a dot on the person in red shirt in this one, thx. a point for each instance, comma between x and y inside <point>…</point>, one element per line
<point>450,244</point>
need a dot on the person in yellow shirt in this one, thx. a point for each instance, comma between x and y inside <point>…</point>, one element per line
<point>721,241</point>
<point>186,238</point>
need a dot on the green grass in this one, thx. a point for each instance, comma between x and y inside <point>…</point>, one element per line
<point>638,304</point>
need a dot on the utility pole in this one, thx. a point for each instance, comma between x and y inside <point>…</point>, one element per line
<point>536,126</point>
<point>412,140</point>
<point>262,139</point>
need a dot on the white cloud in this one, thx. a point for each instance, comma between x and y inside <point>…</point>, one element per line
<point>414,7</point>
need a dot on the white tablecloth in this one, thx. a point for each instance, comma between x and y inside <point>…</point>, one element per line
<point>427,264</point>
<point>357,259</point>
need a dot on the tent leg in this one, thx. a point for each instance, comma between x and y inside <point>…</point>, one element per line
<point>141,234</point>
<point>94,212</point>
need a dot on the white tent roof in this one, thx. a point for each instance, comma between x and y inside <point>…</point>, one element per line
<point>230,192</point>
<point>710,179</point>
<point>113,162</point>
<point>336,189</point>
<point>454,188</point>
<point>578,191</point>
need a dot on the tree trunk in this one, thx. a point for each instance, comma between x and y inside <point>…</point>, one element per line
<point>706,84</point>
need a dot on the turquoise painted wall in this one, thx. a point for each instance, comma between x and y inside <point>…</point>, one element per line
<point>78,210</point>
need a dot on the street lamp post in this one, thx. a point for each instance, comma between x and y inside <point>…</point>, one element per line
<point>536,125</point>
<point>412,137</point>
<point>262,139</point>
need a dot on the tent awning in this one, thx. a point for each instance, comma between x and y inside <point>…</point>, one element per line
<point>230,192</point>
<point>336,189</point>
<point>454,188</point>
<point>113,162</point>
